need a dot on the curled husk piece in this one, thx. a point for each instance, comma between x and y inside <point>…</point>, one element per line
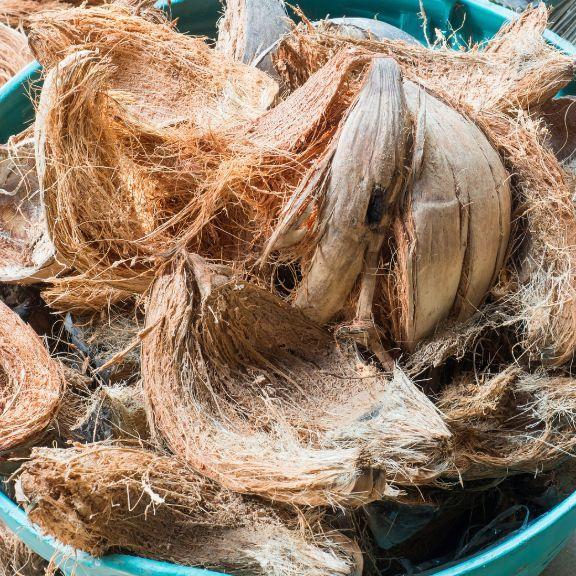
<point>510,422</point>
<point>248,27</point>
<point>99,498</point>
<point>123,128</point>
<point>31,383</point>
<point>16,559</point>
<point>14,52</point>
<point>26,251</point>
<point>250,392</point>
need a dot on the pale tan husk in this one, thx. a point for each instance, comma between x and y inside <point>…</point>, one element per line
<point>99,498</point>
<point>251,393</point>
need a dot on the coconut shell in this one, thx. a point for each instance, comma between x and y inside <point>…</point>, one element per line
<point>452,235</point>
<point>31,383</point>
<point>26,251</point>
<point>251,393</point>
<point>364,185</point>
<point>99,498</point>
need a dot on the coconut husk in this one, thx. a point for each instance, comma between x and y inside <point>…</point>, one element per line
<point>510,422</point>
<point>17,13</point>
<point>26,251</point>
<point>117,101</point>
<point>103,498</point>
<point>31,383</point>
<point>495,87</point>
<point>248,27</point>
<point>14,52</point>
<point>252,393</point>
<point>16,559</point>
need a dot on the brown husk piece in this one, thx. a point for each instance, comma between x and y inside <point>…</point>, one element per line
<point>31,384</point>
<point>250,392</point>
<point>16,13</point>
<point>102,498</point>
<point>509,422</point>
<point>16,559</point>
<point>248,27</point>
<point>26,251</point>
<point>495,86</point>
<point>117,101</point>
<point>14,52</point>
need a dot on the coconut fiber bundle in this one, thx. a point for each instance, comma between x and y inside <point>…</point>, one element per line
<point>26,251</point>
<point>103,498</point>
<point>250,392</point>
<point>125,101</point>
<point>31,383</point>
<point>14,52</point>
<point>495,88</point>
<point>509,422</point>
<point>16,559</point>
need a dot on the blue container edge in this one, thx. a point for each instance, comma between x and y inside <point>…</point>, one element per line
<point>82,564</point>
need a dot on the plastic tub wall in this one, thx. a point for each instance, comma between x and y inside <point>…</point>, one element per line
<point>526,553</point>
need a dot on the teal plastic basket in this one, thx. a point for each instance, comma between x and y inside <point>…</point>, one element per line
<point>525,553</point>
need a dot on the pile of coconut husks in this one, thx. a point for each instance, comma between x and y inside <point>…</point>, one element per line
<point>289,303</point>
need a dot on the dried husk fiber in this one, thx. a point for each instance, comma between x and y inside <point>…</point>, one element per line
<point>16,559</point>
<point>31,383</point>
<point>102,498</point>
<point>26,251</point>
<point>248,391</point>
<point>495,87</point>
<point>14,52</point>
<point>130,103</point>
<point>510,422</point>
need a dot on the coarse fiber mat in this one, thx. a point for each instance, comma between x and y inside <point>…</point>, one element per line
<point>525,553</point>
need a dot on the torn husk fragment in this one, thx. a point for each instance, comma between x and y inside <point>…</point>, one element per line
<point>509,422</point>
<point>31,384</point>
<point>14,52</point>
<point>248,27</point>
<point>26,251</point>
<point>99,498</point>
<point>250,392</point>
<point>106,339</point>
<point>16,559</point>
